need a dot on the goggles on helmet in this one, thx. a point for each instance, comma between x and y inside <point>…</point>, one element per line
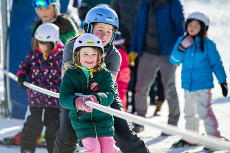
<point>42,3</point>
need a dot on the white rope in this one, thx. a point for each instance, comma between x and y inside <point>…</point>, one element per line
<point>208,141</point>
<point>31,86</point>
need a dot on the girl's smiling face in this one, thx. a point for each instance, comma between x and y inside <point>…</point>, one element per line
<point>88,57</point>
<point>103,31</point>
<point>194,28</point>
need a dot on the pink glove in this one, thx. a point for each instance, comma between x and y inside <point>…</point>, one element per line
<point>80,105</point>
<point>92,98</point>
<point>79,102</point>
<point>87,108</point>
<point>187,41</point>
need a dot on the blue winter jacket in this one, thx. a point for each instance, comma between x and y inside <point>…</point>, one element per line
<point>170,20</point>
<point>197,66</point>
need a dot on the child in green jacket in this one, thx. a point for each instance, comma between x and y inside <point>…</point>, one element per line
<point>87,80</point>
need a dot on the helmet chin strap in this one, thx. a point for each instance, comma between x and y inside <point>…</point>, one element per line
<point>88,28</point>
<point>112,38</point>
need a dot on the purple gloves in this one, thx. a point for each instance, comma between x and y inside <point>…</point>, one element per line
<point>80,102</point>
<point>224,87</point>
<point>187,41</point>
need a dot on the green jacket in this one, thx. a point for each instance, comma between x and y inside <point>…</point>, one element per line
<point>95,123</point>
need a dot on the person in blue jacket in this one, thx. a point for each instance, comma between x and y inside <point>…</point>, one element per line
<point>158,25</point>
<point>200,58</point>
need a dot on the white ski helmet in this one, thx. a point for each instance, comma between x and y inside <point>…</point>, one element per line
<point>88,40</point>
<point>200,16</point>
<point>47,32</point>
<point>45,3</point>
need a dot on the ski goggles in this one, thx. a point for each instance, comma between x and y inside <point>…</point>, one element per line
<point>42,3</point>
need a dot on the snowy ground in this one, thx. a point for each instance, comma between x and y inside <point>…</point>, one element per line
<point>219,31</point>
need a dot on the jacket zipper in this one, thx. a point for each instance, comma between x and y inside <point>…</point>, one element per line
<point>91,118</point>
<point>94,124</point>
<point>190,88</point>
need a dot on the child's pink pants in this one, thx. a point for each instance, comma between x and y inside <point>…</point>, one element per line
<point>99,145</point>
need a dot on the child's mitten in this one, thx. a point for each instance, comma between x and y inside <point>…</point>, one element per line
<point>224,87</point>
<point>21,79</point>
<point>187,41</point>
<point>80,105</point>
<point>91,98</point>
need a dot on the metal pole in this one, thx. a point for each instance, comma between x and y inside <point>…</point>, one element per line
<point>4,50</point>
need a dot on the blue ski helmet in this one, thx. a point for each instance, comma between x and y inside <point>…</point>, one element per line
<point>101,14</point>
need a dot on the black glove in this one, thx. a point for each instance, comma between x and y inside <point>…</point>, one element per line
<point>21,79</point>
<point>224,87</point>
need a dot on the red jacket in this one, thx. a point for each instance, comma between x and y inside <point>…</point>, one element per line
<point>123,76</point>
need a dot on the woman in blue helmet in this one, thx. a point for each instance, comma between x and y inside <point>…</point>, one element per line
<point>103,22</point>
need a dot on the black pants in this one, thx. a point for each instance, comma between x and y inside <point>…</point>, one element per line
<point>131,86</point>
<point>34,124</point>
<point>127,141</point>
